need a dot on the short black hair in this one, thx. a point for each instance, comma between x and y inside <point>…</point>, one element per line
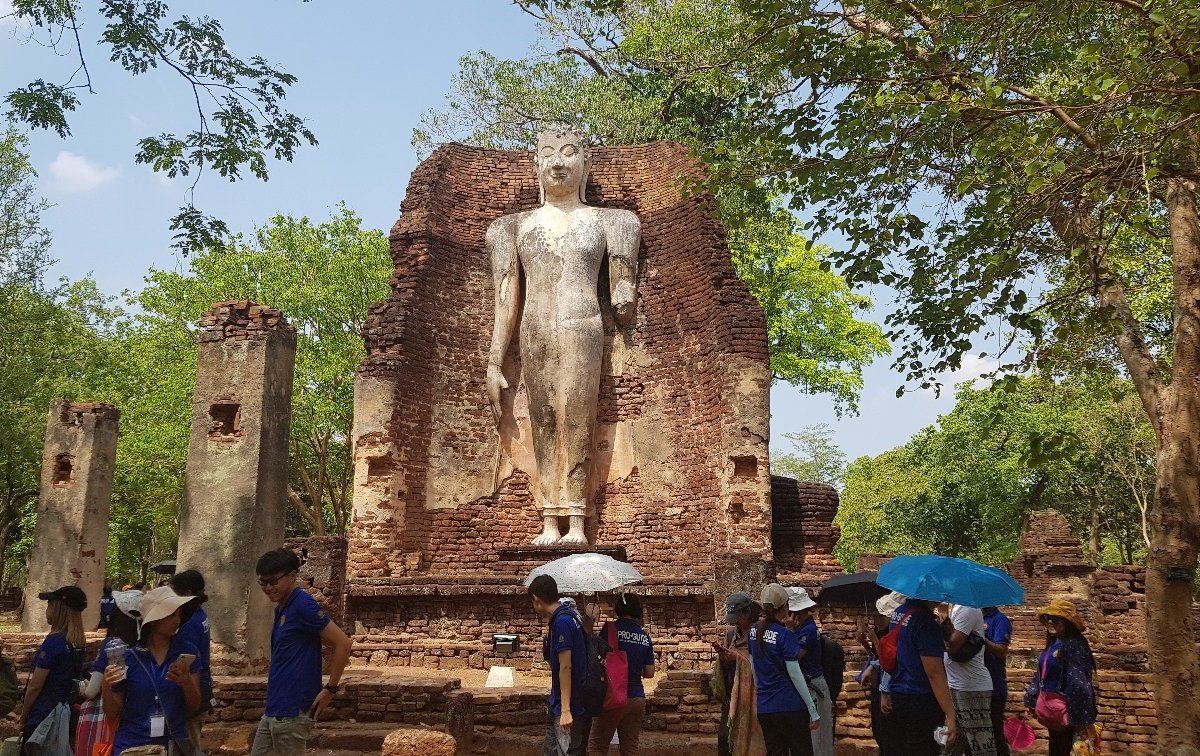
<point>629,606</point>
<point>188,583</point>
<point>278,562</point>
<point>545,588</point>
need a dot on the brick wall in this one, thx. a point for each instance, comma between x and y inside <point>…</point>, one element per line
<point>688,381</point>
<point>323,571</point>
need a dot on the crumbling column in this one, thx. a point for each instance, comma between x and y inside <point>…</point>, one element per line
<point>71,540</point>
<point>237,469</point>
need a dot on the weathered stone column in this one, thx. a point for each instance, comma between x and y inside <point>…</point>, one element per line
<point>71,540</point>
<point>237,469</point>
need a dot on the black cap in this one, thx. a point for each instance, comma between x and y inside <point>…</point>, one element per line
<point>71,595</point>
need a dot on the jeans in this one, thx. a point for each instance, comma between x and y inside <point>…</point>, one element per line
<point>786,733</point>
<point>999,703</point>
<point>579,736</point>
<point>282,736</point>
<point>911,725</point>
<point>626,722</point>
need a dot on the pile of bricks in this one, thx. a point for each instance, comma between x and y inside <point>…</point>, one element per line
<point>240,320</point>
<point>683,702</point>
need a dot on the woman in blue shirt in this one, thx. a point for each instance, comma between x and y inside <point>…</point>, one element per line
<point>153,695</point>
<point>1065,667</point>
<point>786,710</point>
<point>58,664</point>
<point>918,700</point>
<point>626,720</point>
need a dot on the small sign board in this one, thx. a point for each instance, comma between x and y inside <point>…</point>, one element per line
<point>1181,573</point>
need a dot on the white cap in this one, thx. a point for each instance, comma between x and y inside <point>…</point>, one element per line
<point>887,605</point>
<point>799,600</point>
<point>129,603</point>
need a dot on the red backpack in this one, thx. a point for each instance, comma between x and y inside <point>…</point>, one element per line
<point>887,645</point>
<point>616,662</point>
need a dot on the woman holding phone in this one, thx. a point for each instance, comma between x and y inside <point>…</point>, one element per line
<point>152,695</point>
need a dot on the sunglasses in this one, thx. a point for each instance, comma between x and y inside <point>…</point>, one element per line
<point>272,581</point>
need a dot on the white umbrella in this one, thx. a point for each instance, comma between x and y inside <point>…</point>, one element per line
<point>587,573</point>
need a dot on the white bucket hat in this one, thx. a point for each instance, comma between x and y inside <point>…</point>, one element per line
<point>799,600</point>
<point>129,603</point>
<point>887,605</point>
<point>161,602</point>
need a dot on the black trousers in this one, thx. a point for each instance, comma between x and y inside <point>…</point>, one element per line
<point>786,733</point>
<point>1062,742</point>
<point>998,715</point>
<point>879,723</point>
<point>911,725</point>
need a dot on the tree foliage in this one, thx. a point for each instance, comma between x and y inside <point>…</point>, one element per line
<point>814,456</point>
<point>240,118</point>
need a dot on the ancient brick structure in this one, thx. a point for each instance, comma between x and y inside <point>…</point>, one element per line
<point>236,486</point>
<point>323,571</point>
<point>442,508</point>
<point>802,531</point>
<point>71,541</point>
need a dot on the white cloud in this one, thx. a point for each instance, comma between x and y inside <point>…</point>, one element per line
<point>75,173</point>
<point>971,370</point>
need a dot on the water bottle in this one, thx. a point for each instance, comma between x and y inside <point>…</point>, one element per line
<point>115,651</point>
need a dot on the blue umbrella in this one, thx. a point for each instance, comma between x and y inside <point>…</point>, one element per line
<point>951,580</point>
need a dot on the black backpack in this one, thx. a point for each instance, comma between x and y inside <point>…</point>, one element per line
<point>595,686</point>
<point>833,665</point>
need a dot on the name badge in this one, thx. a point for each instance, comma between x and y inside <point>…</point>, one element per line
<point>158,726</point>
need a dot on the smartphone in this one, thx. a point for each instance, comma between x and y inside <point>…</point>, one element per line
<point>185,661</point>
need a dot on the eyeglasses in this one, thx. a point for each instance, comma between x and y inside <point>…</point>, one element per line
<point>271,582</point>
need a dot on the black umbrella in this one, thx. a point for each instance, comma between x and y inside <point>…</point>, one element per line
<point>853,589</point>
<point>164,568</point>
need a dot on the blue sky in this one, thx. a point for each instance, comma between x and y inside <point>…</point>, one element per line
<point>367,71</point>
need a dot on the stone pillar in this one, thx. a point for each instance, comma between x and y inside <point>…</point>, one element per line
<point>71,540</point>
<point>237,469</point>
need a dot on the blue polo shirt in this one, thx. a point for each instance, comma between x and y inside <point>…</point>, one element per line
<point>999,631</point>
<point>148,693</point>
<point>776,693</point>
<point>197,631</point>
<point>920,636</point>
<point>566,633</point>
<point>294,679</point>
<point>810,643</point>
<point>639,652</point>
<point>63,664</point>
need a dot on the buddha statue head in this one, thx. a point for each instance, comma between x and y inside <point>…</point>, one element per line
<point>563,161</point>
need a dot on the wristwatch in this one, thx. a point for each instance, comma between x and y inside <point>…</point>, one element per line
<point>332,688</point>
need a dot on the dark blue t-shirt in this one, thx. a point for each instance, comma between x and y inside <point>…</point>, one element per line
<point>197,632</point>
<point>810,643</point>
<point>1049,661</point>
<point>920,636</point>
<point>63,664</point>
<point>639,652</point>
<point>565,634</point>
<point>776,692</point>
<point>294,679</point>
<point>999,631</point>
<point>148,693</point>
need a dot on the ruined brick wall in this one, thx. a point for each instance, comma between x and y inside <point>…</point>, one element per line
<point>682,431</point>
<point>803,534</point>
<point>323,571</point>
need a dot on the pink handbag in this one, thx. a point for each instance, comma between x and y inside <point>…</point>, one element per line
<point>616,664</point>
<point>1051,708</point>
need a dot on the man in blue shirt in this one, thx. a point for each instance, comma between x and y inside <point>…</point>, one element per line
<point>295,696</point>
<point>565,649</point>
<point>995,654</point>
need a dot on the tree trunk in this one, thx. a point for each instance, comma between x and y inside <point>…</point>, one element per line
<point>1094,536</point>
<point>1175,511</point>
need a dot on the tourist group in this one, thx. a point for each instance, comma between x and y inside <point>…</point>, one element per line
<point>150,686</point>
<point>935,672</point>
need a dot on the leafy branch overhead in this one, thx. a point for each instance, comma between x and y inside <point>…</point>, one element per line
<point>237,103</point>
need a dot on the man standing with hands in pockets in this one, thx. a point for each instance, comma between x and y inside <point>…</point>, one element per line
<point>295,695</point>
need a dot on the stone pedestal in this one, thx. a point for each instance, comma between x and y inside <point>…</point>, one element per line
<point>236,488</point>
<point>71,540</point>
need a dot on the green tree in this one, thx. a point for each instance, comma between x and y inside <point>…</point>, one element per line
<point>240,119</point>
<point>323,277</point>
<point>614,76</point>
<point>814,456</point>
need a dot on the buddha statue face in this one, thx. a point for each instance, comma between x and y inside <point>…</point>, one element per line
<point>563,161</point>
